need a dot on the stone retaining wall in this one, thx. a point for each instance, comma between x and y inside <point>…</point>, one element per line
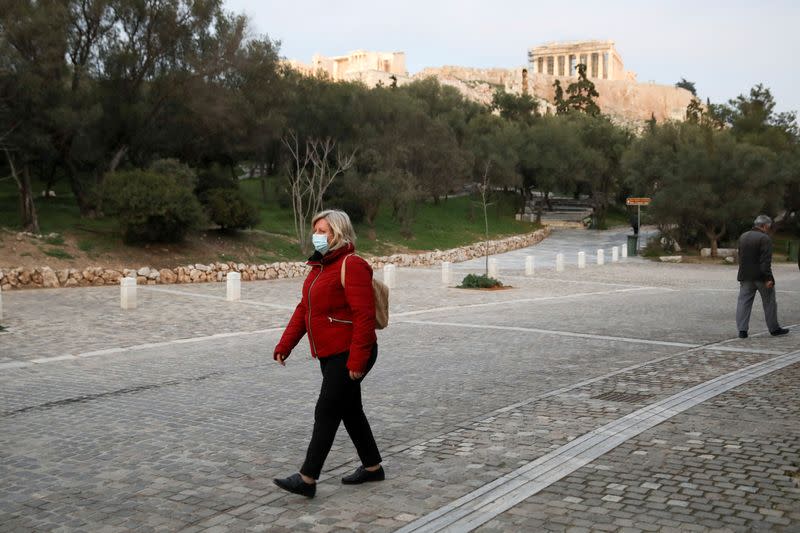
<point>23,278</point>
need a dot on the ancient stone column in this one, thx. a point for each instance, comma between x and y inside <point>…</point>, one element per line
<point>610,65</point>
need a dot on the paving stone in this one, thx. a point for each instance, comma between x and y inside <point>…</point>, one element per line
<point>187,433</point>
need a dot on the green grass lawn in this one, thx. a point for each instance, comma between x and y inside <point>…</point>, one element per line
<point>448,224</point>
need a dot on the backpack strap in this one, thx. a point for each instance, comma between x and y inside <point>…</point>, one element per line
<point>344,263</point>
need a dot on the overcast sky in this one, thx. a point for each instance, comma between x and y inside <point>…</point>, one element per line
<point>725,47</point>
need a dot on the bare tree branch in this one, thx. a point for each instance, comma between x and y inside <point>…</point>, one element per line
<point>312,169</point>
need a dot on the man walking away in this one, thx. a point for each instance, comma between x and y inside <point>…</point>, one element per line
<point>755,274</point>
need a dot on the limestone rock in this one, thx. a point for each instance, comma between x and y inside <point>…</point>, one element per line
<point>671,258</point>
<point>167,276</point>
<point>49,278</point>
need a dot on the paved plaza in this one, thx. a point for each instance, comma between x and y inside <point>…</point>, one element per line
<point>610,398</point>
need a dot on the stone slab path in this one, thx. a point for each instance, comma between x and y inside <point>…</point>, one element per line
<point>615,398</point>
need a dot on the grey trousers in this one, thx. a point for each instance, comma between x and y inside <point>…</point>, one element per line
<point>747,293</point>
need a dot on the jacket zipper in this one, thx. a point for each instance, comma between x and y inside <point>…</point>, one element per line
<point>310,334</point>
<point>332,320</point>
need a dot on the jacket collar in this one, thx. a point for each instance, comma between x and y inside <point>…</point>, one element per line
<point>330,257</point>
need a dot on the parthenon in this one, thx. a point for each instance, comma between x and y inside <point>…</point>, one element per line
<point>562,59</point>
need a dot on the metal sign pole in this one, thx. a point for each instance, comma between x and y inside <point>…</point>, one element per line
<point>638,225</point>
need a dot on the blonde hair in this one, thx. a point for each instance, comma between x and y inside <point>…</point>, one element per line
<point>342,228</point>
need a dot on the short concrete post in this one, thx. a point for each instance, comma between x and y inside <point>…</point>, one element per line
<point>447,274</point>
<point>530,264</point>
<point>559,262</point>
<point>389,272</point>
<point>615,254</point>
<point>601,259</point>
<point>127,293</point>
<point>233,282</point>
<point>624,251</point>
<point>581,259</point>
<point>492,267</point>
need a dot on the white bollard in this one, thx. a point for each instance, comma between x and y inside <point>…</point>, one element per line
<point>127,293</point>
<point>559,262</point>
<point>581,259</point>
<point>389,275</point>
<point>1,304</point>
<point>615,254</point>
<point>624,251</point>
<point>601,257</point>
<point>233,283</point>
<point>447,274</point>
<point>530,264</point>
<point>492,267</point>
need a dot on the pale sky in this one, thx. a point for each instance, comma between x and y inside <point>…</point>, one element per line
<point>725,47</point>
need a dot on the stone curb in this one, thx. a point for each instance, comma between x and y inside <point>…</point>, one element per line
<point>46,277</point>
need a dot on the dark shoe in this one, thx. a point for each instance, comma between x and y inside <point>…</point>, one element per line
<point>742,334</point>
<point>779,331</point>
<point>295,484</point>
<point>362,475</point>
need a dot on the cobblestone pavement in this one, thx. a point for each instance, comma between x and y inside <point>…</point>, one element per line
<point>568,242</point>
<point>173,417</point>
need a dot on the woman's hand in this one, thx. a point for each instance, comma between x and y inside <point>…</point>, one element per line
<point>281,358</point>
<point>356,375</point>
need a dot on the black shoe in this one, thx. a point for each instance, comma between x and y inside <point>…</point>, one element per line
<point>779,331</point>
<point>295,484</point>
<point>742,334</point>
<point>362,475</point>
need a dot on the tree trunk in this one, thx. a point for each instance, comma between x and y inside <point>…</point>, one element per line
<point>30,220</point>
<point>117,159</point>
<point>713,238</point>
<point>263,181</point>
<point>27,209</point>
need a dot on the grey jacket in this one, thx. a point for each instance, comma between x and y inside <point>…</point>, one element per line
<point>755,256</point>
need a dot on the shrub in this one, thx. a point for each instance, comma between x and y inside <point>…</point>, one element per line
<point>151,207</point>
<point>214,177</point>
<point>230,209</point>
<point>471,281</point>
<point>181,172</point>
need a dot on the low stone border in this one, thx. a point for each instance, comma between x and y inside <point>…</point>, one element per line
<point>46,277</point>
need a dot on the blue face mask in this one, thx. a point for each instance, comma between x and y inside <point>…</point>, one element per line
<point>320,242</point>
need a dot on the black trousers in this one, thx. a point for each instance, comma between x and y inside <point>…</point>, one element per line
<point>340,401</point>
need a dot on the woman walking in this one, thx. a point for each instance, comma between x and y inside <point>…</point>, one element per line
<point>338,313</point>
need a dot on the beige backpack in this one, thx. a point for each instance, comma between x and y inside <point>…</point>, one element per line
<point>381,294</point>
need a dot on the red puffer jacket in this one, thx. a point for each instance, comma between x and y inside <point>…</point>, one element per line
<point>336,319</point>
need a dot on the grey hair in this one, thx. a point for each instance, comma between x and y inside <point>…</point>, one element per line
<point>763,220</point>
<point>342,228</point>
